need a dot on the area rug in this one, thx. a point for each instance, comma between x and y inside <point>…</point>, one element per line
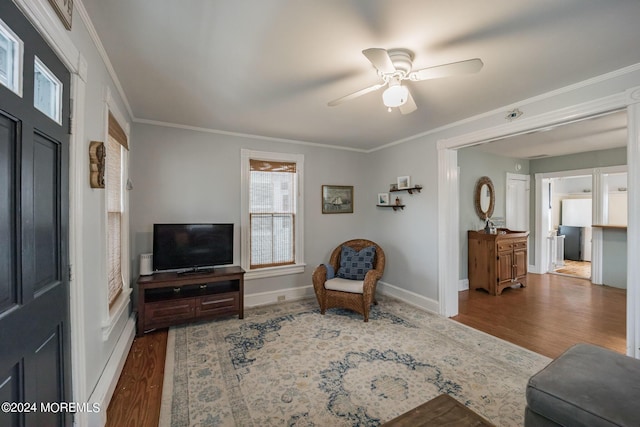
<point>288,365</point>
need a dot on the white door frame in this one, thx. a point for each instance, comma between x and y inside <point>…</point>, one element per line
<point>448,207</point>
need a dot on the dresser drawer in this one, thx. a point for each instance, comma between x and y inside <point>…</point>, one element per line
<point>505,246</point>
<point>168,311</point>
<point>212,305</point>
<point>519,245</point>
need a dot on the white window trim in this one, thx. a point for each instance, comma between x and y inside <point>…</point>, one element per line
<point>18,63</point>
<point>245,235</point>
<point>111,315</point>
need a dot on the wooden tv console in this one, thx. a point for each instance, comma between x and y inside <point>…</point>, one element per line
<point>167,299</point>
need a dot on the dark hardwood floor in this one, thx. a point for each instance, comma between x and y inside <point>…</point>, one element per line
<point>548,316</point>
<point>138,394</point>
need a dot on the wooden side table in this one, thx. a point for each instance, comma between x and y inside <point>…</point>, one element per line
<point>443,410</point>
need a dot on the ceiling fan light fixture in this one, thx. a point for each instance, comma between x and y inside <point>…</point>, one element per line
<point>395,96</point>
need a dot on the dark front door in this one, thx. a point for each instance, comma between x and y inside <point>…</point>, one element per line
<point>34,289</point>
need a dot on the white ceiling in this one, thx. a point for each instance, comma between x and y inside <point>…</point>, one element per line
<point>269,67</point>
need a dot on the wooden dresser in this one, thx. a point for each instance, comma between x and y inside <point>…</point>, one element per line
<point>497,261</point>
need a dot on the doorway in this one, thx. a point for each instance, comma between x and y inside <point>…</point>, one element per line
<point>449,184</point>
<point>570,233</point>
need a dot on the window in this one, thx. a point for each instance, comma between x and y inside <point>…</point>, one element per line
<point>116,145</point>
<point>47,92</point>
<point>11,49</point>
<point>272,216</point>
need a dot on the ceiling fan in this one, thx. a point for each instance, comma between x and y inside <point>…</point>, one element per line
<point>394,66</point>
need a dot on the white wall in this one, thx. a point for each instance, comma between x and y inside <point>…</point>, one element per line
<point>93,229</point>
<point>407,236</point>
<point>182,175</point>
<point>474,164</point>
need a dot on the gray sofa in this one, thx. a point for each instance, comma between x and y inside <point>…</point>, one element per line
<point>585,386</point>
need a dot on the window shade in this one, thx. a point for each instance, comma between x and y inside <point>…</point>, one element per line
<point>272,209</point>
<point>270,166</point>
<point>114,217</point>
<point>117,133</point>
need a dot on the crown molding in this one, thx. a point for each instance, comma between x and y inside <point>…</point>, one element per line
<point>245,135</point>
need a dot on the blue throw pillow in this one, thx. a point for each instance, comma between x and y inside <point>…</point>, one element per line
<point>354,265</point>
<point>330,272</point>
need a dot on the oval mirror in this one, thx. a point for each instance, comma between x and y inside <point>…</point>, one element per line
<point>484,198</point>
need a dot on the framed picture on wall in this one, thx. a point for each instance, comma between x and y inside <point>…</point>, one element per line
<point>64,10</point>
<point>404,182</point>
<point>337,199</point>
<point>383,199</point>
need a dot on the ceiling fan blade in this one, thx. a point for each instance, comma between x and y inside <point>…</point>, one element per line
<point>355,94</point>
<point>409,106</point>
<point>463,67</point>
<point>380,59</point>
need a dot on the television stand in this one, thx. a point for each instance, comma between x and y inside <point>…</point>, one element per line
<point>167,299</point>
<point>196,271</point>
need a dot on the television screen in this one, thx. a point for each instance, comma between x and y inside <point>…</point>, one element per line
<point>191,246</point>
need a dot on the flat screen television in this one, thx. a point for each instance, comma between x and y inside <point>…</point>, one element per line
<point>191,247</point>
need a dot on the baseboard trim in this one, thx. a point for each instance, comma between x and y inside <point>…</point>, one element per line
<point>408,297</point>
<point>463,285</point>
<point>109,379</point>
<point>292,294</point>
<point>271,297</point>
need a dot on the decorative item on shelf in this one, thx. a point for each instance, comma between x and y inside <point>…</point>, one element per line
<point>97,155</point>
<point>397,201</point>
<point>383,199</point>
<point>393,187</point>
<point>404,182</point>
<point>337,199</point>
<point>490,227</point>
<point>146,264</point>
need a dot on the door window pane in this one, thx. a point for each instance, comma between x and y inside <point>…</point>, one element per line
<point>11,48</point>
<point>47,92</point>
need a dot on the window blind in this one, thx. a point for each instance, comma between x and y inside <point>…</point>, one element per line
<point>116,143</point>
<point>272,205</point>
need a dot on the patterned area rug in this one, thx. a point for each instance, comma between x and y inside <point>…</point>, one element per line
<point>287,364</point>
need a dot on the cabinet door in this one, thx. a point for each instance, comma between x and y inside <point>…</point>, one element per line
<point>520,258</point>
<point>505,266</point>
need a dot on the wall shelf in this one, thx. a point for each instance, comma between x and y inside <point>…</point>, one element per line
<point>410,190</point>
<point>395,207</point>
